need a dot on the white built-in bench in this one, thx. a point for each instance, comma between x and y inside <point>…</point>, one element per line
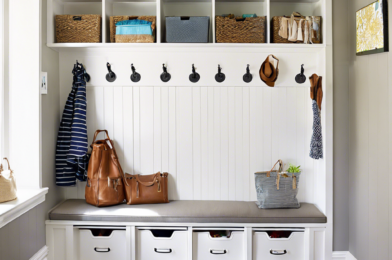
<point>182,230</point>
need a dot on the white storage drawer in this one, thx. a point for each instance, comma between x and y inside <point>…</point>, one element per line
<point>102,244</point>
<point>278,245</point>
<point>206,247</point>
<point>161,243</point>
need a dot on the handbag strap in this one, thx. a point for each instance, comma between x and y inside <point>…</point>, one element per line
<point>150,183</point>
<point>117,162</point>
<point>9,167</point>
<point>273,167</point>
<point>99,131</point>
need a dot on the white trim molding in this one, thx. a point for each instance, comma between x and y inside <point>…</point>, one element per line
<point>41,254</point>
<point>342,255</point>
<point>27,200</point>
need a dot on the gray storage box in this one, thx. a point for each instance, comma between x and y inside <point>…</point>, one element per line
<point>187,29</point>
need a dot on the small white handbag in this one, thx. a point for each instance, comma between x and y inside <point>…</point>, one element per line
<point>7,183</point>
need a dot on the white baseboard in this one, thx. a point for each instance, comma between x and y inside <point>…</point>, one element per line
<point>342,255</point>
<point>41,254</point>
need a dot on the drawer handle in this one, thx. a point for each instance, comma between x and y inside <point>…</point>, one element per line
<point>218,252</point>
<point>163,251</point>
<point>102,250</point>
<point>278,252</point>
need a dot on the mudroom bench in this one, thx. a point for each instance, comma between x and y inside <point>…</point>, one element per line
<point>185,230</point>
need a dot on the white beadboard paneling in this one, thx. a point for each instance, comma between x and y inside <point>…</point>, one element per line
<point>211,140</point>
<point>196,143</point>
<point>128,124</point>
<point>136,131</point>
<point>238,114</point>
<point>232,144</point>
<point>173,191</point>
<point>204,142</point>
<point>146,126</point>
<point>224,145</point>
<point>157,128</point>
<point>108,105</point>
<point>118,119</point>
<point>184,143</point>
<point>165,128</point>
<point>254,134</point>
<point>245,151</point>
<point>216,144</point>
<point>210,143</point>
<point>268,157</point>
<point>301,141</point>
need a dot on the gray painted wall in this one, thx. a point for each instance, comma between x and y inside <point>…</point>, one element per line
<point>370,148</point>
<point>340,121</point>
<point>23,237</point>
<point>26,235</point>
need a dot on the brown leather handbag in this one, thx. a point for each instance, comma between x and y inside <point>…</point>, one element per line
<point>147,189</point>
<point>105,178</point>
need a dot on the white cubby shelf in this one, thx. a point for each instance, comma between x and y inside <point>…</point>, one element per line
<point>164,8</point>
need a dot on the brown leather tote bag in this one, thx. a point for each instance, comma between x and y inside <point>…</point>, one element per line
<point>146,189</point>
<point>105,178</point>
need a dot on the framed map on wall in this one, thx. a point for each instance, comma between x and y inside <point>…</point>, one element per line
<point>372,28</point>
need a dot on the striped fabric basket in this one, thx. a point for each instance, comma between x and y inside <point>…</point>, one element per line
<point>277,190</point>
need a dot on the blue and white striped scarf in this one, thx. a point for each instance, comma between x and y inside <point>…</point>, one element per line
<point>316,144</point>
<point>72,144</point>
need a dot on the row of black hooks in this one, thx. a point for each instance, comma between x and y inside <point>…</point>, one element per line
<point>165,76</point>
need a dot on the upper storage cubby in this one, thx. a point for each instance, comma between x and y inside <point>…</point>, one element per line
<point>186,9</point>
<point>241,7</point>
<point>241,21</point>
<point>70,7</point>
<point>287,7</point>
<point>131,8</point>
<point>187,21</point>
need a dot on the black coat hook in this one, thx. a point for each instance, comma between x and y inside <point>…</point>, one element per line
<point>165,76</point>
<point>220,77</point>
<point>111,76</point>
<point>194,77</point>
<point>301,78</point>
<point>79,67</point>
<point>135,77</point>
<point>247,77</point>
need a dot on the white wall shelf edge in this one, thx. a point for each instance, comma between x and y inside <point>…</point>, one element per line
<point>27,199</point>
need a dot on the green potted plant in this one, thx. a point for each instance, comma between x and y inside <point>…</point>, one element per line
<point>294,169</point>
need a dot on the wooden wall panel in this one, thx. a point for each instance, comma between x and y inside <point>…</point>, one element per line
<point>210,139</point>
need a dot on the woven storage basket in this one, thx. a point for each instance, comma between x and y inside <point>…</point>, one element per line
<point>240,30</point>
<point>131,38</point>
<point>276,190</point>
<point>275,26</point>
<point>78,28</point>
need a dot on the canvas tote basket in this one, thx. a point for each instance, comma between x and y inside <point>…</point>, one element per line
<point>7,183</point>
<point>276,190</point>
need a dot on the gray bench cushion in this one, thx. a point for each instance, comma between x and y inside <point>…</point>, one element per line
<point>188,212</point>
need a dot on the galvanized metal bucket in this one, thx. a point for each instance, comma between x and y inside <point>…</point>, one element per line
<point>276,189</point>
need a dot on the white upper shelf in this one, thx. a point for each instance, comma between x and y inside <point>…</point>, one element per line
<point>245,47</point>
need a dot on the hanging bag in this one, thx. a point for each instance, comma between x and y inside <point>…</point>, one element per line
<point>268,72</point>
<point>105,178</point>
<point>276,189</point>
<point>7,183</point>
<point>147,189</point>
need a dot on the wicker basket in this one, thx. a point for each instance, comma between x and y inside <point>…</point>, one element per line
<point>131,38</point>
<point>275,26</point>
<point>241,30</point>
<point>78,28</point>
